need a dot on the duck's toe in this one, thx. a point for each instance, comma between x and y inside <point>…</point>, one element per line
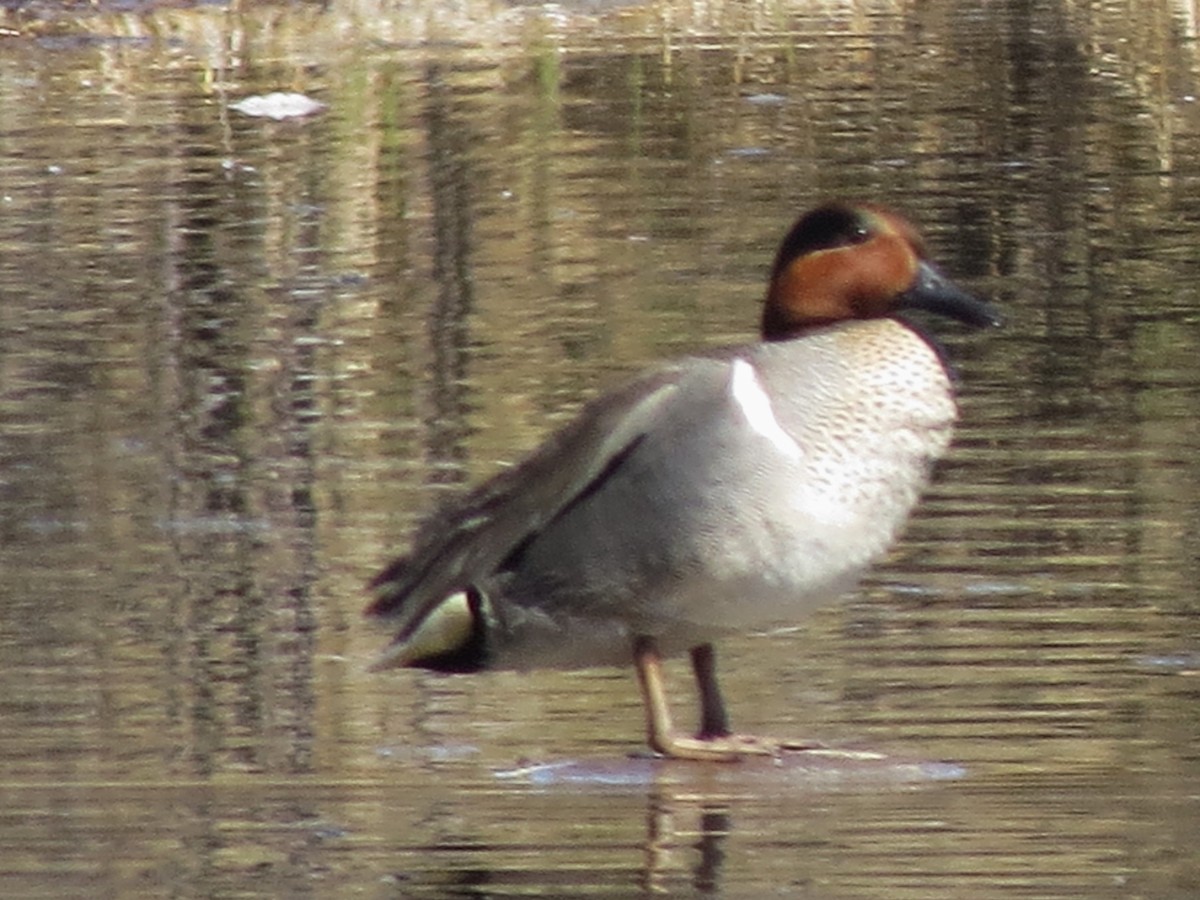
<point>730,747</point>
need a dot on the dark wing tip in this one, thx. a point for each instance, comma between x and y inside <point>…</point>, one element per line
<point>385,586</point>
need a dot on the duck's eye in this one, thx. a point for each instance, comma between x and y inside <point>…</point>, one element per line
<point>860,234</point>
<point>853,234</point>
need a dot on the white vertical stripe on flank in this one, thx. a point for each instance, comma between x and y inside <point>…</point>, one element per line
<point>750,397</point>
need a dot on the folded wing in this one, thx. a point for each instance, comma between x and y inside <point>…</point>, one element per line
<point>472,538</point>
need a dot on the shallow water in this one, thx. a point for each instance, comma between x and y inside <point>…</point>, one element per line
<point>240,359</point>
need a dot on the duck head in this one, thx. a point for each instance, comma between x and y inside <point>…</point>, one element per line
<point>842,261</point>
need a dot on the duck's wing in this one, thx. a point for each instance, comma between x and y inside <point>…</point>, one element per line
<point>473,537</point>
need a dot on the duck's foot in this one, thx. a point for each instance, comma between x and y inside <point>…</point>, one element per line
<point>729,747</point>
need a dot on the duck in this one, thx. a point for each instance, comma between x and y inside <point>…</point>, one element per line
<point>734,490</point>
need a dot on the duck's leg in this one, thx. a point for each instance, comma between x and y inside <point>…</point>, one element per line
<point>713,741</point>
<point>660,733</point>
<point>714,720</point>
